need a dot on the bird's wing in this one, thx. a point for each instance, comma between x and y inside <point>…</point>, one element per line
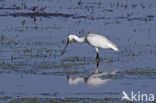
<point>93,40</point>
<point>112,45</point>
<point>100,41</point>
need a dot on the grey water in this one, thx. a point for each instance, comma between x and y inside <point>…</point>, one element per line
<point>33,34</point>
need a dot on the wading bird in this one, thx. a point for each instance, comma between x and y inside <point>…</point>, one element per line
<point>94,40</point>
<point>94,79</point>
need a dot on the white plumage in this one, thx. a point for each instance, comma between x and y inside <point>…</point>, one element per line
<point>95,79</point>
<point>99,41</point>
<point>95,40</point>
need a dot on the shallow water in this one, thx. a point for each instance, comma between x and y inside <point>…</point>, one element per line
<point>33,34</point>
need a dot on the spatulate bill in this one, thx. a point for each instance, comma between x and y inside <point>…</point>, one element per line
<point>65,47</point>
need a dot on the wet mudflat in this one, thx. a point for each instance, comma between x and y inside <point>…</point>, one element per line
<point>33,34</point>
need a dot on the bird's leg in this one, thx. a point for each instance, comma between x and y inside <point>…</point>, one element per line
<point>97,64</point>
<point>97,59</point>
<point>97,54</point>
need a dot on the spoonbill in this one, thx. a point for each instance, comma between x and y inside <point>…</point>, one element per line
<point>94,79</point>
<point>95,40</point>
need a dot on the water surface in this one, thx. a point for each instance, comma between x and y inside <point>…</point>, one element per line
<point>33,34</point>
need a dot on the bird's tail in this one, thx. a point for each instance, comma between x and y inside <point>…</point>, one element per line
<point>113,46</point>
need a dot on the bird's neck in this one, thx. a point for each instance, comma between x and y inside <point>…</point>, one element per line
<point>78,39</point>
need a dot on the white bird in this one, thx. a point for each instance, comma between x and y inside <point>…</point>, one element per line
<point>95,40</point>
<point>94,80</point>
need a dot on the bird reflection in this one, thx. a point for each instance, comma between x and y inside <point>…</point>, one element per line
<point>95,79</point>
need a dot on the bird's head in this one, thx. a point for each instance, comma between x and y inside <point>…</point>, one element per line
<point>69,40</point>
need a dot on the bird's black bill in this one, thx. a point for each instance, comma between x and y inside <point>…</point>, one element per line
<point>65,47</point>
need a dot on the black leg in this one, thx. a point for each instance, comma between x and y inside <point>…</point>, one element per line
<point>97,64</point>
<point>97,56</point>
